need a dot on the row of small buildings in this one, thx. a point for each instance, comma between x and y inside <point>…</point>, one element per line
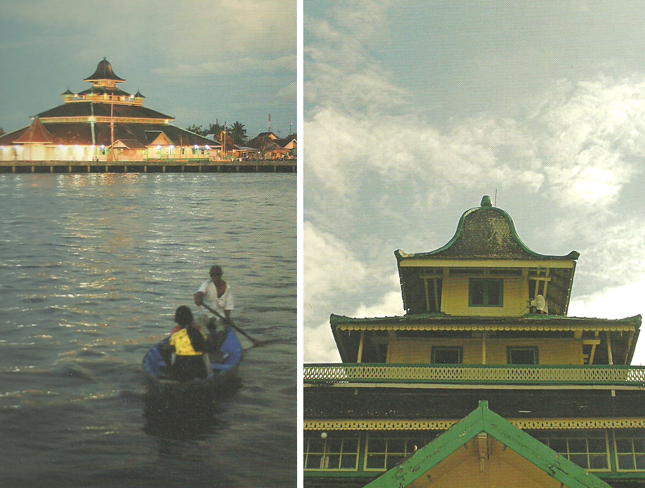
<point>105,123</point>
<point>485,381</point>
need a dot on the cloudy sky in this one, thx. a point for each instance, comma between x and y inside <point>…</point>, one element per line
<point>197,60</point>
<point>415,110</point>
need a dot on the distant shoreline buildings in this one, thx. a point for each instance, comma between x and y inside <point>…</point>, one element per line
<point>104,123</point>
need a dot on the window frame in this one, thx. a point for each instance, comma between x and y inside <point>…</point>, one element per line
<point>631,435</point>
<point>388,438</point>
<point>486,282</point>
<point>327,452</point>
<point>534,349</point>
<point>459,349</point>
<point>545,439</point>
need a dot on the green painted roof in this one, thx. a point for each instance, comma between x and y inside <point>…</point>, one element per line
<point>484,420</point>
<point>474,321</point>
<point>485,232</point>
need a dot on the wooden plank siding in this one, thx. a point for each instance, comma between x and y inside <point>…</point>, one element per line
<point>550,351</point>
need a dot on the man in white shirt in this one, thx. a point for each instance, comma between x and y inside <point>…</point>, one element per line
<point>216,294</point>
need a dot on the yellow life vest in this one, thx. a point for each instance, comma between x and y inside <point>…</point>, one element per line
<point>182,344</point>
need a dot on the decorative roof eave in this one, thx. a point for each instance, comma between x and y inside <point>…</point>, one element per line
<point>445,424</point>
<point>105,120</point>
<point>97,91</point>
<point>530,327</point>
<point>415,260</point>
<point>449,322</point>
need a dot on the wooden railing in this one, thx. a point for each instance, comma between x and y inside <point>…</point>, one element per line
<point>332,373</point>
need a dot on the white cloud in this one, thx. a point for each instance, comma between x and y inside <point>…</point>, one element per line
<point>187,29</point>
<point>230,65</point>
<point>571,151</point>
<point>581,146</point>
<point>390,305</point>
<point>593,136</point>
<point>319,346</point>
<point>611,303</point>
<point>614,303</point>
<point>287,93</point>
<point>614,253</point>
<point>330,270</point>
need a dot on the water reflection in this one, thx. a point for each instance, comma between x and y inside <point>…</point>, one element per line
<point>191,415</point>
<point>93,269</point>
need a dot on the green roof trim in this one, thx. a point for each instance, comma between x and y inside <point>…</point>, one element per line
<point>442,318</point>
<point>485,420</point>
<point>486,207</point>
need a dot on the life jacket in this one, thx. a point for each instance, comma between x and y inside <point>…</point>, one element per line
<point>188,341</point>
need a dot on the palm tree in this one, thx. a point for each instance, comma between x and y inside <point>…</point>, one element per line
<point>237,133</point>
<point>215,129</point>
<point>197,129</point>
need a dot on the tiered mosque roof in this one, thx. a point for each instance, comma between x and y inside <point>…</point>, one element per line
<point>102,115</point>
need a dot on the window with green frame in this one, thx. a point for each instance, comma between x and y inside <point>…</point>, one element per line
<point>522,355</point>
<point>384,451</point>
<point>336,451</point>
<point>486,292</point>
<point>447,355</point>
<point>630,450</point>
<point>588,449</point>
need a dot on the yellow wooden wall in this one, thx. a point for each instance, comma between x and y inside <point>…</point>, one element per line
<point>454,297</point>
<point>500,468</point>
<point>550,351</point>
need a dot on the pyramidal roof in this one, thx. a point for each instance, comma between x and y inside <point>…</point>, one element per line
<point>104,72</point>
<point>485,232</point>
<point>36,133</point>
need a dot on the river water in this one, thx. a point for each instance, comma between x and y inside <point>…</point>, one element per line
<point>92,268</point>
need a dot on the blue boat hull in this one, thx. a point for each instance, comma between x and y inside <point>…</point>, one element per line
<point>158,371</point>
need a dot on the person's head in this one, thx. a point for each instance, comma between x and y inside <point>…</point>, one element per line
<point>215,273</point>
<point>183,316</point>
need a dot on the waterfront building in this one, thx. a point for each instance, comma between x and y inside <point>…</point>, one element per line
<point>485,381</point>
<point>104,123</point>
<point>269,146</point>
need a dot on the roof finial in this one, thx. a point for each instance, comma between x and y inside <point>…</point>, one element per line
<point>486,202</point>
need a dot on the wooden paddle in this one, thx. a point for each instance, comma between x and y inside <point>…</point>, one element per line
<point>230,322</point>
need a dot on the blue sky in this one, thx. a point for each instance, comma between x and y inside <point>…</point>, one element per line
<point>197,60</point>
<point>415,110</point>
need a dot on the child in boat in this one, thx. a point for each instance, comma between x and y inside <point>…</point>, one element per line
<point>189,344</point>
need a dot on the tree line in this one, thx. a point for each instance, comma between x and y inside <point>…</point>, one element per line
<point>235,132</point>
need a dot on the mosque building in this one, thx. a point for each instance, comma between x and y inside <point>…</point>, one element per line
<point>103,123</point>
<point>485,381</point>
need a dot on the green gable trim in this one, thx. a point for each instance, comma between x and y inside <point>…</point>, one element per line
<point>484,420</point>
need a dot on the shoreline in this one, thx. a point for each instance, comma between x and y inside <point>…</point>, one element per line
<point>152,166</point>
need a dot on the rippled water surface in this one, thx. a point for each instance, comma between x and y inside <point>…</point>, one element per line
<point>92,268</point>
